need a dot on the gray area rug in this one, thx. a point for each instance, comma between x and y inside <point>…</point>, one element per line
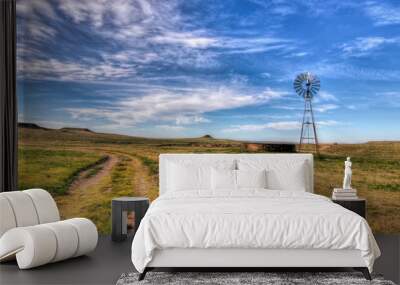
<point>228,278</point>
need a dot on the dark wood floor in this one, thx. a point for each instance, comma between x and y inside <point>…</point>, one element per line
<point>103,266</point>
<point>110,260</point>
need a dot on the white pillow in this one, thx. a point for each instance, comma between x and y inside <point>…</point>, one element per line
<point>291,178</point>
<point>281,174</point>
<point>192,174</point>
<point>251,178</point>
<point>186,178</point>
<point>223,179</point>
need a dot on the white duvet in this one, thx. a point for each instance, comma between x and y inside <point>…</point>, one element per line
<point>250,219</point>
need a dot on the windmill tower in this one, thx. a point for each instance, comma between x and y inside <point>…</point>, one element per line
<point>307,86</point>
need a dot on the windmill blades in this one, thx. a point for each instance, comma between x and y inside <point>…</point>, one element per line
<point>306,85</point>
<point>298,84</point>
<point>315,86</point>
<point>303,76</point>
<point>300,90</point>
<point>314,90</point>
<point>316,83</point>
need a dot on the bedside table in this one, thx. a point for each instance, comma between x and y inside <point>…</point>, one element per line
<point>120,209</point>
<point>358,205</point>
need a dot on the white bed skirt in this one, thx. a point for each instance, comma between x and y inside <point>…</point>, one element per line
<point>190,257</point>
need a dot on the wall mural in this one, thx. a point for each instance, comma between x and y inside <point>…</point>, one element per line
<point>105,86</point>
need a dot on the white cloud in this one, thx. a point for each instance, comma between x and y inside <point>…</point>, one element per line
<point>284,125</point>
<point>284,8</point>
<point>391,98</point>
<point>94,11</point>
<point>190,120</point>
<point>145,32</point>
<point>201,102</point>
<point>238,79</point>
<point>54,69</point>
<point>325,108</point>
<point>351,107</point>
<point>288,125</point>
<point>177,107</point>
<point>327,123</point>
<point>186,39</point>
<point>265,75</point>
<point>281,8</point>
<point>39,30</point>
<point>33,8</point>
<point>188,45</point>
<point>270,93</point>
<point>126,20</point>
<point>158,22</point>
<point>318,105</point>
<point>24,51</point>
<point>171,128</point>
<point>290,108</point>
<point>244,128</point>
<point>32,13</point>
<point>188,49</point>
<point>137,56</point>
<point>298,54</point>
<point>364,45</point>
<point>383,14</point>
<point>325,96</point>
<point>121,13</point>
<point>240,45</point>
<point>348,71</point>
<point>280,126</point>
<point>186,57</point>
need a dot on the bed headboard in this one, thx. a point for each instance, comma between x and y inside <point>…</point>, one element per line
<point>270,157</point>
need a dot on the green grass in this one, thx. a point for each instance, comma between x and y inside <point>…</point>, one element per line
<point>120,184</point>
<point>99,212</point>
<point>121,177</point>
<point>53,170</point>
<point>94,201</point>
<point>151,164</point>
<point>385,187</point>
<point>95,168</point>
<point>51,159</point>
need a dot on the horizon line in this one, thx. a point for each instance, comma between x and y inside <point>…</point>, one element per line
<point>204,135</point>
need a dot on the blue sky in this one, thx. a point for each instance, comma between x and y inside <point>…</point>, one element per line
<point>188,68</point>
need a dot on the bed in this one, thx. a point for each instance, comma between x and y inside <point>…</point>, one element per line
<point>247,210</point>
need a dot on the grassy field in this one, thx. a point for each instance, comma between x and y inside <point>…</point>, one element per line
<point>54,169</point>
<point>86,169</point>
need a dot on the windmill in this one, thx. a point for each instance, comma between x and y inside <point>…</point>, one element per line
<point>307,86</point>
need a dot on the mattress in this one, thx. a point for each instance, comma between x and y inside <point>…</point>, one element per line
<point>251,219</point>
